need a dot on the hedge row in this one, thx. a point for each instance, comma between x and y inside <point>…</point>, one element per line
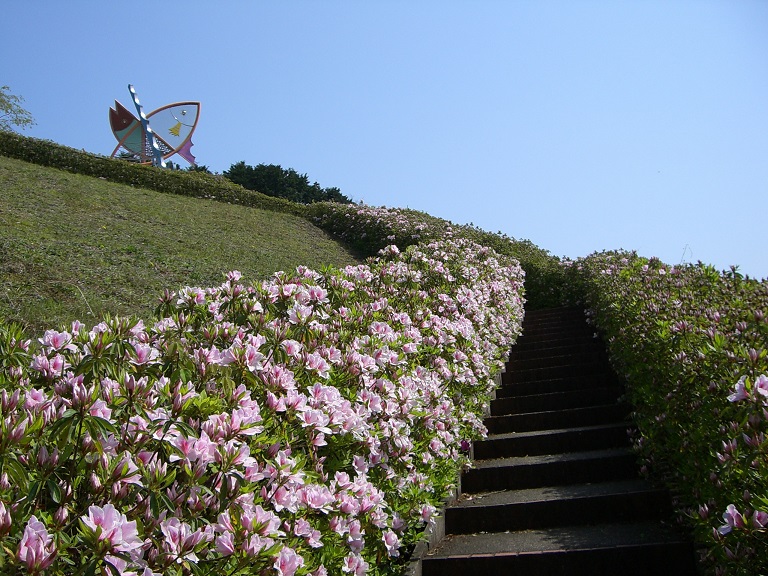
<point>309,424</point>
<point>196,184</point>
<point>369,229</point>
<point>692,344</point>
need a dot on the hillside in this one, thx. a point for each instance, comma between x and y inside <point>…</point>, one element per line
<point>78,247</point>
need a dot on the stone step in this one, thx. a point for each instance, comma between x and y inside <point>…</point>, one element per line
<point>548,507</point>
<point>570,329</point>
<point>537,443</point>
<point>553,419</point>
<point>561,317</point>
<point>590,356</point>
<point>534,340</point>
<point>586,368</point>
<point>556,400</point>
<point>523,472</point>
<point>561,384</point>
<point>626,549</point>
<point>561,311</point>
<point>575,347</point>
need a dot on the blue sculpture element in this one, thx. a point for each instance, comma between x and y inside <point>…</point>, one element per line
<point>158,154</point>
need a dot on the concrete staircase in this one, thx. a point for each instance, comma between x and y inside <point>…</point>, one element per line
<point>555,488</point>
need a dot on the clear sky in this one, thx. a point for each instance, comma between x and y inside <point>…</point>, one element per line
<point>580,125</point>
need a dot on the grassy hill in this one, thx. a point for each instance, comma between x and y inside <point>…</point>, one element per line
<point>78,247</point>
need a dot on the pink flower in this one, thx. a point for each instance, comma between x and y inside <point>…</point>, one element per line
<point>100,409</point>
<point>57,340</point>
<point>740,391</point>
<point>291,347</point>
<point>37,549</point>
<point>288,561</point>
<point>110,525</point>
<point>392,543</point>
<point>144,354</point>
<point>180,541</point>
<point>225,544</point>
<point>318,364</point>
<point>355,565</point>
<point>733,519</point>
<point>760,519</point>
<point>761,386</point>
<point>5,519</point>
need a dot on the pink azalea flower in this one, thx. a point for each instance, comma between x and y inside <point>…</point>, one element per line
<point>225,544</point>
<point>100,409</point>
<point>180,541</point>
<point>291,347</point>
<point>355,564</point>
<point>114,527</point>
<point>144,354</point>
<point>37,549</point>
<point>740,391</point>
<point>34,398</point>
<point>287,562</point>
<point>57,340</point>
<point>733,519</point>
<point>5,519</point>
<point>392,542</point>
<point>761,386</point>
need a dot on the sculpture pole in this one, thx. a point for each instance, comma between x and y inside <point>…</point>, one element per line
<point>158,155</point>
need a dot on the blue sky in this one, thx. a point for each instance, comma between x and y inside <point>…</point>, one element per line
<point>580,125</point>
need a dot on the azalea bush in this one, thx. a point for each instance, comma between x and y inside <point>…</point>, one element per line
<point>692,344</point>
<point>368,229</point>
<point>310,424</point>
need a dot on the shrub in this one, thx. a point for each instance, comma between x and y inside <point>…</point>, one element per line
<point>308,424</point>
<point>692,344</point>
<point>369,229</point>
<point>196,184</point>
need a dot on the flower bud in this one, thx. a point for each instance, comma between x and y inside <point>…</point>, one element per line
<point>61,516</point>
<point>5,520</point>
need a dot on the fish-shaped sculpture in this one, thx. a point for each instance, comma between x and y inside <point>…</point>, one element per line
<point>172,124</point>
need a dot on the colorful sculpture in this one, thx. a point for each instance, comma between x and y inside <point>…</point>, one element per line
<point>170,133</point>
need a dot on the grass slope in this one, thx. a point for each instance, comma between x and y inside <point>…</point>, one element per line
<point>76,247</point>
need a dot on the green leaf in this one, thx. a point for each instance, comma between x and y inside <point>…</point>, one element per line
<point>54,490</point>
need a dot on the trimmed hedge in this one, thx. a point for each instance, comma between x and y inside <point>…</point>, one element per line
<point>196,184</point>
<point>370,229</point>
<point>692,345</point>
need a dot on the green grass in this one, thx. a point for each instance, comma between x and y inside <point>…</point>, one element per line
<point>76,247</point>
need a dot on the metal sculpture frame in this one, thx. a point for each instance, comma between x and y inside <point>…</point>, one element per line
<point>136,136</point>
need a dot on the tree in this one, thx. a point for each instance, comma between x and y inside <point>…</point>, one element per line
<point>274,180</point>
<point>199,168</point>
<point>11,112</point>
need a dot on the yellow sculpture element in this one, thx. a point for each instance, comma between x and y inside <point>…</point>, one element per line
<point>175,129</point>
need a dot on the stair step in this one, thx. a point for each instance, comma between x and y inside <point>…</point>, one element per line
<point>555,349</point>
<point>559,311</point>
<point>561,384</point>
<point>537,443</point>
<point>574,327</point>
<point>575,359</point>
<point>536,508</point>
<point>522,472</point>
<point>555,400</point>
<point>560,371</point>
<point>533,342</point>
<point>631,549</point>
<point>550,420</point>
